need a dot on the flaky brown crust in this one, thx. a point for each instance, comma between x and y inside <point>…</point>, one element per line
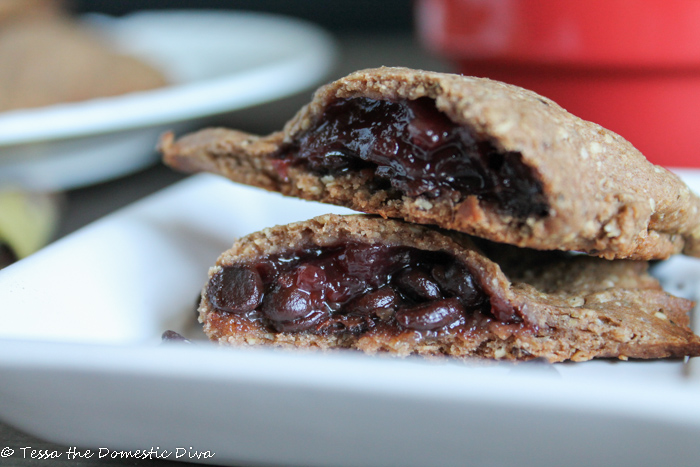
<point>605,197</point>
<point>574,309</point>
<point>51,59</point>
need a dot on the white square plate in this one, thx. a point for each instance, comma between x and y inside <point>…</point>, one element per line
<point>81,365</point>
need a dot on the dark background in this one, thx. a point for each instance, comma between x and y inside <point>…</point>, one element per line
<point>336,15</point>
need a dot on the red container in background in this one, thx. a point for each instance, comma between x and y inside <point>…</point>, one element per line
<point>632,66</point>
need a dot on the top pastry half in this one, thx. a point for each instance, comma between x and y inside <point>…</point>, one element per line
<point>466,154</point>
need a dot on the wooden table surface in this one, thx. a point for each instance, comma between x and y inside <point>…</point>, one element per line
<point>85,205</point>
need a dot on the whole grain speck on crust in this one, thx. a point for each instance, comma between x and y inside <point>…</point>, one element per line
<point>603,196</point>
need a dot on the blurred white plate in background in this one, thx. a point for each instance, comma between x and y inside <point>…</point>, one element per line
<point>216,61</point>
<point>80,365</point>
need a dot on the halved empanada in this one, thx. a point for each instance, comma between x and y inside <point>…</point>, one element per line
<point>381,285</point>
<point>466,154</point>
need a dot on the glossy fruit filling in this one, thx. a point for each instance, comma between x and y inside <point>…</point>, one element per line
<point>350,288</point>
<point>414,149</point>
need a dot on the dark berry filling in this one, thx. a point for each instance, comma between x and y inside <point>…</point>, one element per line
<point>414,149</point>
<point>350,288</point>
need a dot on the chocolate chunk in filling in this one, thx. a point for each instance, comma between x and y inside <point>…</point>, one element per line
<point>349,288</point>
<point>414,149</point>
<point>236,290</point>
